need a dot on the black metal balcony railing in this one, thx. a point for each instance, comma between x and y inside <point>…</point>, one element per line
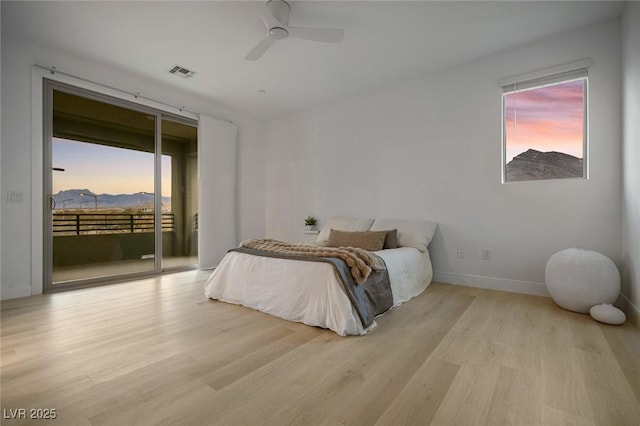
<point>108,223</point>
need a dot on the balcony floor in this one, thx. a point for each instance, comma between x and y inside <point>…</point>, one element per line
<point>115,268</point>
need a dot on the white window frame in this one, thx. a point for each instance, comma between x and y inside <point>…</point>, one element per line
<point>543,78</point>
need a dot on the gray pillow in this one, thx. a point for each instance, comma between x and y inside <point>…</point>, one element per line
<point>366,240</point>
<point>391,239</point>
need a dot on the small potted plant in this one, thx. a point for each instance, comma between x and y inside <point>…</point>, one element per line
<point>310,223</point>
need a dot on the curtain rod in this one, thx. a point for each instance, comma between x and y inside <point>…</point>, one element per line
<point>136,95</point>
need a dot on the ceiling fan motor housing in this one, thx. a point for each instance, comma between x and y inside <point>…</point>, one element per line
<point>278,33</point>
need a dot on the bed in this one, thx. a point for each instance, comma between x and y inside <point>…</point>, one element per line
<point>313,292</point>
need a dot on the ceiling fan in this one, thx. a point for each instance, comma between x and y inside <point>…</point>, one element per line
<point>278,28</point>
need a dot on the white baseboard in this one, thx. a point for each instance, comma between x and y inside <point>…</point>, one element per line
<point>632,311</point>
<point>492,283</point>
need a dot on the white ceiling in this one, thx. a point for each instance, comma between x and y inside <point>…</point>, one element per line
<point>383,42</point>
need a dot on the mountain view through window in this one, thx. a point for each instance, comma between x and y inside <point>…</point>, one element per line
<point>544,131</point>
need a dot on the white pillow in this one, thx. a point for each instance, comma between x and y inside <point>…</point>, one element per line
<point>411,233</point>
<point>349,224</point>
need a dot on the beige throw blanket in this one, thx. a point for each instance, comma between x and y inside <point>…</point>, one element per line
<point>359,261</point>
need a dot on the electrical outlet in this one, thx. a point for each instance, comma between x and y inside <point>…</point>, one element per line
<point>460,253</point>
<point>486,254</point>
<point>15,196</point>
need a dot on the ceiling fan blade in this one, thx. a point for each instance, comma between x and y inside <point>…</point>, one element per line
<point>325,35</point>
<point>259,50</point>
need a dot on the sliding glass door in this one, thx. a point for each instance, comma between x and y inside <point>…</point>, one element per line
<point>179,193</point>
<point>122,189</point>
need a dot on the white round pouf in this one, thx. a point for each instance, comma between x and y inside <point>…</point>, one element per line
<point>607,314</point>
<point>578,279</point>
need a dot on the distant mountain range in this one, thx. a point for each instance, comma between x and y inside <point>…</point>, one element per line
<point>71,199</point>
<point>532,165</point>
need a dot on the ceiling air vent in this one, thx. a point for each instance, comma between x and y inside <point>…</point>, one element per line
<point>181,71</point>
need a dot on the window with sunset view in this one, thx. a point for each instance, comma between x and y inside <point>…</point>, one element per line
<point>544,128</point>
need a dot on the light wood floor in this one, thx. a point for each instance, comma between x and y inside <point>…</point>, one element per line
<point>156,351</point>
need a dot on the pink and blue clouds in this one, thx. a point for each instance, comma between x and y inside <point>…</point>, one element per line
<point>545,119</point>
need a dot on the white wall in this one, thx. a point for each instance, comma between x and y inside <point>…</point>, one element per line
<point>17,172</point>
<point>431,148</point>
<point>1,193</point>
<point>631,158</point>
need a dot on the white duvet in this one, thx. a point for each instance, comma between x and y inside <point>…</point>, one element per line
<point>309,292</point>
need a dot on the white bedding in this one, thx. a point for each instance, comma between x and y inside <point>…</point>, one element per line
<point>309,292</point>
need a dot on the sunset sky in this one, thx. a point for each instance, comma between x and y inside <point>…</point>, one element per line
<point>545,119</point>
<point>106,170</point>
